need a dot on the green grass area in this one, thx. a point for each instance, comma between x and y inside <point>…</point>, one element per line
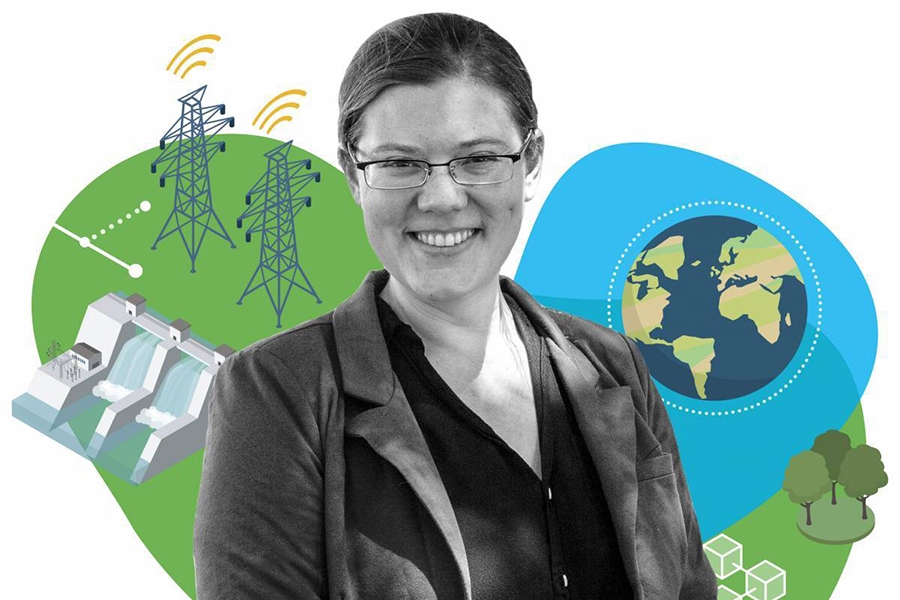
<point>840,523</point>
<point>770,533</point>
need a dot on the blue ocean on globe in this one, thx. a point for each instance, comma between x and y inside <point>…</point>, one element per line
<point>735,307</point>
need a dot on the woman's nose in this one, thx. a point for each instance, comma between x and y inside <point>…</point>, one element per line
<point>441,193</point>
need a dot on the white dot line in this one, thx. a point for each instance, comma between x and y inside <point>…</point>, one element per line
<point>144,206</point>
<point>806,257</point>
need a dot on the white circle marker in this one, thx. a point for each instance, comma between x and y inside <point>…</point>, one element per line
<point>119,221</point>
<point>145,206</point>
<point>84,242</point>
<point>135,270</point>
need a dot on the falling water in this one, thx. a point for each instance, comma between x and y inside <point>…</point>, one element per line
<point>178,388</point>
<point>131,367</point>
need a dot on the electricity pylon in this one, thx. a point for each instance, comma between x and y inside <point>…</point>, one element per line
<point>274,202</point>
<point>187,160</point>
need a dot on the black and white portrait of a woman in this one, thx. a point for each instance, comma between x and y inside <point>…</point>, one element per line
<point>440,434</point>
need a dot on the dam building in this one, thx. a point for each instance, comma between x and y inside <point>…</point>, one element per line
<point>140,402</point>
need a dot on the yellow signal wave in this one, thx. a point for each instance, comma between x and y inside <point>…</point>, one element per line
<point>193,53</point>
<point>280,107</point>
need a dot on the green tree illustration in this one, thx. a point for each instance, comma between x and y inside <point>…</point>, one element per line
<point>862,474</point>
<point>833,445</point>
<point>806,480</point>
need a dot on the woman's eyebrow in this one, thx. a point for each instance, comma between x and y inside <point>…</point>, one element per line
<point>394,147</point>
<point>482,141</point>
<point>415,150</point>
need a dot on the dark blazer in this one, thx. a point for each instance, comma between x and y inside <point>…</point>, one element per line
<point>317,481</point>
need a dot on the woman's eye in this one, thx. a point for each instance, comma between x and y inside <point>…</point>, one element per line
<point>481,160</point>
<point>400,164</point>
<point>480,165</point>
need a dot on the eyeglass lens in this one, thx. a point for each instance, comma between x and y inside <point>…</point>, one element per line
<point>472,170</point>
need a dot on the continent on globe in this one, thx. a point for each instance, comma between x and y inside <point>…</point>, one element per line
<point>750,280</point>
<point>697,354</point>
<point>669,255</point>
<point>717,306</point>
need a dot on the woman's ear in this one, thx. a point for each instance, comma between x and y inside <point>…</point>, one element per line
<point>350,172</point>
<point>534,160</point>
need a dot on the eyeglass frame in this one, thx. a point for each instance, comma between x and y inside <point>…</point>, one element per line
<point>515,157</point>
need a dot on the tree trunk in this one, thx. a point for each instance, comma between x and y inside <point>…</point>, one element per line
<point>833,495</point>
<point>808,506</point>
<point>865,512</point>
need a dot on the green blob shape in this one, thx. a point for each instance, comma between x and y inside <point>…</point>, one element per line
<point>768,533</point>
<point>332,249</point>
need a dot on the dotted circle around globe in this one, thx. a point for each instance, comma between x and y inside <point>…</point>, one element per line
<point>659,219</point>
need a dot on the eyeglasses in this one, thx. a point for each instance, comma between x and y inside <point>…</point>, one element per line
<point>402,174</point>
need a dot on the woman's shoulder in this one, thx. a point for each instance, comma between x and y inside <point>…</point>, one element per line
<point>579,328</point>
<point>294,370</point>
<point>617,352</point>
<point>307,343</point>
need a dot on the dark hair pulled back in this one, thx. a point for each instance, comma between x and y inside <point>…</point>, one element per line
<point>426,48</point>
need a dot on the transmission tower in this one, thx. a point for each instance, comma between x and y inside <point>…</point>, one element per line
<point>274,202</point>
<point>187,160</point>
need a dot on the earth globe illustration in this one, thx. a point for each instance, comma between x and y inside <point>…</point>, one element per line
<point>717,306</point>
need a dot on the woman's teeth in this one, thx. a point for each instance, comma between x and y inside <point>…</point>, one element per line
<point>444,240</point>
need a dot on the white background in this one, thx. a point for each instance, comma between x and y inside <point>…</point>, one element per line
<point>803,96</point>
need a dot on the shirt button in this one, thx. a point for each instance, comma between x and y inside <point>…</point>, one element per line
<point>565,580</point>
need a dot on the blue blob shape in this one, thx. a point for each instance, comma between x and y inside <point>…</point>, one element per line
<point>592,226</point>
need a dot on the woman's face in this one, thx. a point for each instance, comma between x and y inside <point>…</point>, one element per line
<point>442,241</point>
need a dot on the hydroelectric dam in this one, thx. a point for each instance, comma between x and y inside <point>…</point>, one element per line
<point>131,395</point>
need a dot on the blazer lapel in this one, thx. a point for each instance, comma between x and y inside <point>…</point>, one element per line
<point>605,418</point>
<point>389,426</point>
<point>391,430</point>
<point>605,414</point>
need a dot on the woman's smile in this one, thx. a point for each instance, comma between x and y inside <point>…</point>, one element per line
<point>444,239</point>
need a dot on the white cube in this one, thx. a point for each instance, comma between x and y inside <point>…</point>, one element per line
<point>726,593</point>
<point>725,555</point>
<point>766,581</point>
